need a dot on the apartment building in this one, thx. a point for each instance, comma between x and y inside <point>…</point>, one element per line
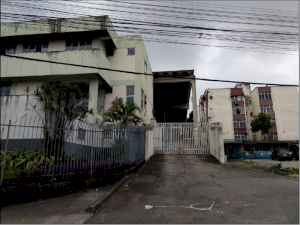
<point>86,41</point>
<point>282,105</point>
<point>236,107</point>
<point>231,107</point>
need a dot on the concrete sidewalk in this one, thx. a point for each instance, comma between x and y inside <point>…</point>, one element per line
<point>70,209</point>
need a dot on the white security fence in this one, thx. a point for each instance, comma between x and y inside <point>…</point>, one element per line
<point>181,138</point>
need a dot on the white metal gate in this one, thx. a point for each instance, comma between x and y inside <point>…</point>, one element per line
<point>178,138</point>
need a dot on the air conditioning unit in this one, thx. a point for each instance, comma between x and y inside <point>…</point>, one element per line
<point>236,102</point>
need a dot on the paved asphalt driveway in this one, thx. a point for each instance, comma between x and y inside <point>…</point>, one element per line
<point>195,189</point>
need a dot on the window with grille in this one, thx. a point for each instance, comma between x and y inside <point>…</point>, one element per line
<point>10,50</point>
<point>142,99</point>
<point>81,133</point>
<point>237,98</point>
<point>273,122</point>
<point>266,109</point>
<point>239,136</point>
<point>239,123</point>
<point>238,110</point>
<point>130,93</point>
<point>5,88</point>
<point>270,136</point>
<point>264,95</point>
<point>131,51</point>
<point>78,45</point>
<point>145,68</point>
<point>84,102</point>
<point>27,48</point>
<point>44,47</point>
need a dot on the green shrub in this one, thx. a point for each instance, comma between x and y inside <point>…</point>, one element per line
<point>18,161</point>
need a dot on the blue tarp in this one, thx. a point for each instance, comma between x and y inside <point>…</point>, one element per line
<point>257,155</point>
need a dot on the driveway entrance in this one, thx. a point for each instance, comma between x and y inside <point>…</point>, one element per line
<point>181,138</point>
<point>194,189</point>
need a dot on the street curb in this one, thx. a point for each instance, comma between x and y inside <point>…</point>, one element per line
<point>96,205</point>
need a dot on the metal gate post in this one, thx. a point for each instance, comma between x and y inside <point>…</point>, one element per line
<point>196,134</point>
<point>180,138</point>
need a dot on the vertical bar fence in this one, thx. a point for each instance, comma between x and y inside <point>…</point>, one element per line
<point>32,151</point>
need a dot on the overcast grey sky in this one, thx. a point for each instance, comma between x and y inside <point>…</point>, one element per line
<point>218,63</point>
<point>208,62</point>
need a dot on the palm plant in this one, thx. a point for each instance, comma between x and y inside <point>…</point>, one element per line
<point>122,114</point>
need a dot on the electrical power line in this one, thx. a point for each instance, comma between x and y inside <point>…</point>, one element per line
<point>146,74</point>
<point>269,42</point>
<point>168,41</point>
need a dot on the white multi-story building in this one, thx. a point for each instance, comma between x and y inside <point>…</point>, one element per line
<point>89,41</point>
<point>282,105</point>
<point>236,107</point>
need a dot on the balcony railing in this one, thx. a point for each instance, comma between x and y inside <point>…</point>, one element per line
<point>270,138</point>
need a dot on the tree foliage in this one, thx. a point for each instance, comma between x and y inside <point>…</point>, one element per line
<point>191,117</point>
<point>262,123</point>
<point>61,106</point>
<point>122,114</point>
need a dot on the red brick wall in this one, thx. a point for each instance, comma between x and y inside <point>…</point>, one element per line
<point>236,91</point>
<point>265,102</point>
<point>239,116</point>
<point>240,130</point>
<point>272,115</point>
<point>264,89</point>
<point>272,130</point>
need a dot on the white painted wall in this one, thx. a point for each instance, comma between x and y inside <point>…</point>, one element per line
<point>286,105</point>
<point>149,145</point>
<point>220,110</point>
<point>16,109</point>
<point>23,85</point>
<point>216,146</point>
<point>118,91</point>
<point>93,91</point>
<point>56,46</point>
<point>143,77</point>
<point>121,61</point>
<point>19,48</point>
<point>11,67</point>
<point>255,109</point>
<point>102,47</point>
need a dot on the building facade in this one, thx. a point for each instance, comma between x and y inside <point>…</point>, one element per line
<point>66,41</point>
<point>282,105</point>
<point>236,107</point>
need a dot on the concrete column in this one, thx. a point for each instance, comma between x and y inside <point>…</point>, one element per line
<point>216,140</point>
<point>101,99</point>
<point>93,90</point>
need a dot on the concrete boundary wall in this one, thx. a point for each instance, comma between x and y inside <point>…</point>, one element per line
<point>149,145</point>
<point>217,142</point>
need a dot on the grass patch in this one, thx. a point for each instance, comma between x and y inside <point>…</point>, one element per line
<point>295,171</point>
